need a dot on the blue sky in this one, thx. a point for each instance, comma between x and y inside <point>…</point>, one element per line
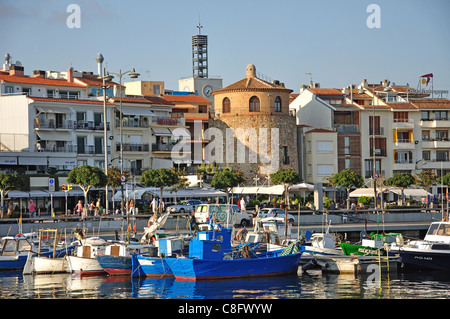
<point>284,39</point>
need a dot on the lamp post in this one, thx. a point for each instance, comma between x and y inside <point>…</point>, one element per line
<point>132,73</point>
<point>105,77</point>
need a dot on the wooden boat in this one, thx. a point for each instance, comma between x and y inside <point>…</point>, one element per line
<point>39,264</point>
<point>211,257</point>
<point>84,261</point>
<point>116,260</point>
<point>356,264</point>
<point>432,253</point>
<point>15,249</point>
<point>377,244</point>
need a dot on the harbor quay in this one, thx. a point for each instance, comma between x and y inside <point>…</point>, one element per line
<point>412,223</point>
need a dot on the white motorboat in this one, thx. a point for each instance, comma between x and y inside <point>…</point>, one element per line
<point>84,262</point>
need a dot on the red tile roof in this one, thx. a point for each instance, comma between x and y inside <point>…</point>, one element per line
<point>320,91</point>
<point>320,130</point>
<point>69,100</point>
<point>252,84</point>
<point>186,99</point>
<point>145,99</point>
<point>93,80</point>
<point>38,81</point>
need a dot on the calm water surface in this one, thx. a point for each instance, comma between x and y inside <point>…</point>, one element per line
<point>311,285</point>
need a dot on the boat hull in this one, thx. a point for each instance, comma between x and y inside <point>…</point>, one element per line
<point>85,266</point>
<point>352,249</point>
<point>152,267</point>
<point>115,265</point>
<point>423,259</point>
<point>19,261</point>
<point>46,265</point>
<point>210,269</point>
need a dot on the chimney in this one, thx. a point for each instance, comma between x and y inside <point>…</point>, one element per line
<point>70,75</point>
<point>16,70</point>
<point>39,74</point>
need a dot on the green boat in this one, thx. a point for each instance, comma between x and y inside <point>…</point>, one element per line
<point>374,246</point>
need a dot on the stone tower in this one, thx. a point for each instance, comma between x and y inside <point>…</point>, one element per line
<point>257,131</point>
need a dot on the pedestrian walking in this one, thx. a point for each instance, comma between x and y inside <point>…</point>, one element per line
<point>32,208</point>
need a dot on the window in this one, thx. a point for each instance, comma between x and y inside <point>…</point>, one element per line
<point>284,154</point>
<point>254,104</point>
<point>156,89</point>
<point>440,115</point>
<point>425,115</point>
<point>403,157</point>
<point>374,121</point>
<point>368,167</point>
<point>442,135</point>
<point>27,91</point>
<point>426,135</point>
<point>324,146</point>
<point>347,163</point>
<point>441,156</point>
<point>309,169</point>
<point>9,89</point>
<point>277,104</point>
<point>426,155</point>
<point>400,116</point>
<point>308,146</point>
<point>226,105</point>
<point>324,170</point>
<point>347,145</point>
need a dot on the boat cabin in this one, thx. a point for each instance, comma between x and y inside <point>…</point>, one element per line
<point>439,232</point>
<point>322,240</point>
<point>13,246</point>
<point>378,240</point>
<point>91,247</point>
<point>211,244</point>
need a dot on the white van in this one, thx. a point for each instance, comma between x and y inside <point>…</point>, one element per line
<point>224,213</point>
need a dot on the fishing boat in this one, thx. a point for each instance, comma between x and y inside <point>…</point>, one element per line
<point>211,257</point>
<point>156,262</point>
<point>356,264</point>
<point>15,249</point>
<point>431,253</point>
<point>375,245</point>
<point>37,263</point>
<point>116,260</point>
<point>84,262</point>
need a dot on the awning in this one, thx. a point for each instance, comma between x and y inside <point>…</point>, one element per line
<point>59,161</point>
<point>162,132</point>
<point>72,192</point>
<point>363,192</point>
<point>53,109</point>
<point>55,136</point>
<point>126,110</point>
<point>269,190</point>
<point>301,186</point>
<point>411,192</point>
<point>39,193</point>
<point>18,194</point>
<point>167,193</point>
<point>6,160</point>
<point>180,132</point>
<point>32,160</point>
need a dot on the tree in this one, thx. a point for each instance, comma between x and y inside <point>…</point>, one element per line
<point>9,182</point>
<point>285,177</point>
<point>163,177</point>
<point>226,180</point>
<point>114,180</point>
<point>182,183</point>
<point>426,178</point>
<point>402,181</point>
<point>348,179</point>
<point>87,177</point>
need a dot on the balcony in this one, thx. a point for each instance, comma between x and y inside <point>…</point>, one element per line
<point>404,144</point>
<point>133,147</point>
<point>436,143</point>
<point>434,123</point>
<point>57,149</point>
<point>403,124</point>
<point>167,121</point>
<point>89,125</point>
<point>346,128</point>
<point>162,147</point>
<point>50,124</point>
<point>135,123</point>
<point>91,150</point>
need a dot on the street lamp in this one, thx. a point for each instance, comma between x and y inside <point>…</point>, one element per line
<point>132,74</point>
<point>105,77</point>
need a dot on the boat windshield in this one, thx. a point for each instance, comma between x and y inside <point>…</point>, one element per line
<point>23,245</point>
<point>9,248</point>
<point>444,230</point>
<point>433,229</point>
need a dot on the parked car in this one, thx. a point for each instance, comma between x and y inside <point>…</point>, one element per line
<point>185,206</point>
<point>224,213</point>
<point>275,212</point>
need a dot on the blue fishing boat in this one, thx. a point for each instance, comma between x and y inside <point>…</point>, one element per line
<point>157,262</point>
<point>211,256</point>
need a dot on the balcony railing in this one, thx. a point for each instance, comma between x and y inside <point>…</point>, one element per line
<point>166,121</point>
<point>346,128</point>
<point>91,149</point>
<point>89,125</point>
<point>52,124</point>
<point>132,123</point>
<point>57,149</point>
<point>133,147</point>
<point>162,147</point>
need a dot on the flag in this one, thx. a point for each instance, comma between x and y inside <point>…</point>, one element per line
<point>134,227</point>
<point>428,76</point>
<point>129,228</point>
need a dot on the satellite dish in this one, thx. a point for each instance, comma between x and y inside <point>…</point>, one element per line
<point>308,235</point>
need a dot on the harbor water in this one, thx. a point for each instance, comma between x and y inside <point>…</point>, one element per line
<point>307,285</point>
